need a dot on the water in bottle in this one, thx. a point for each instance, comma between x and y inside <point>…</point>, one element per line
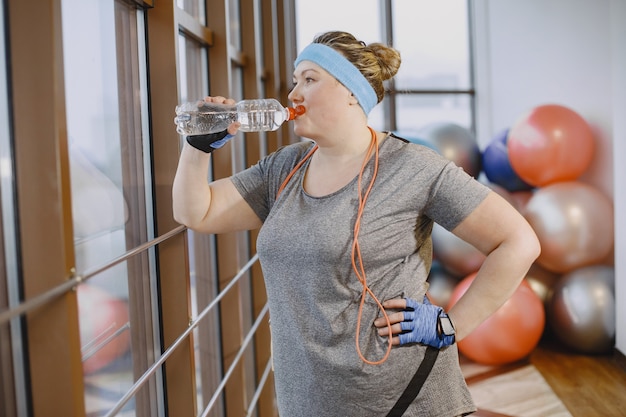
<point>201,117</point>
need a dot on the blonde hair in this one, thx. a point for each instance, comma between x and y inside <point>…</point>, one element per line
<point>376,61</point>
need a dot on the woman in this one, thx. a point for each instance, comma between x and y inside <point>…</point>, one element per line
<point>345,245</point>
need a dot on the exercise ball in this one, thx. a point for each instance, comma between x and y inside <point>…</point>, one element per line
<point>551,143</point>
<point>456,255</point>
<point>542,282</point>
<point>103,323</point>
<point>455,143</point>
<point>574,224</point>
<point>497,166</point>
<point>509,334</point>
<point>581,312</point>
<point>520,199</point>
<point>441,284</point>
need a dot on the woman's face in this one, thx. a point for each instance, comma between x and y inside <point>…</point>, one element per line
<point>324,98</point>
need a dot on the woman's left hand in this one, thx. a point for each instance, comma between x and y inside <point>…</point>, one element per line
<point>416,323</point>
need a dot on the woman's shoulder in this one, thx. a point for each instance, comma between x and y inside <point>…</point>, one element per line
<point>401,148</point>
<point>284,158</point>
<point>293,151</point>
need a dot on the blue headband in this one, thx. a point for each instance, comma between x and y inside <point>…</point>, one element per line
<point>343,70</point>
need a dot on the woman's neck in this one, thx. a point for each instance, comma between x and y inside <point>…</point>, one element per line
<point>345,145</point>
<point>332,167</point>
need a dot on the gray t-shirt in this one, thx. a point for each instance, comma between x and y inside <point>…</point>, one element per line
<point>305,248</point>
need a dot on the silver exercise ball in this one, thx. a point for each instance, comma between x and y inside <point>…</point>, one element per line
<point>542,282</point>
<point>456,255</point>
<point>574,224</point>
<point>582,309</point>
<point>441,284</point>
<point>455,143</point>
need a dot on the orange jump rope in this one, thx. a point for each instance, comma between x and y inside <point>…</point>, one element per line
<point>357,260</point>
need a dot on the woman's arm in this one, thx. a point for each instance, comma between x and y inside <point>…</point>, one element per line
<point>210,208</point>
<point>500,232</point>
<point>215,207</point>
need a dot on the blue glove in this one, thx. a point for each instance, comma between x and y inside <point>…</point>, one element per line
<point>209,142</point>
<point>421,325</point>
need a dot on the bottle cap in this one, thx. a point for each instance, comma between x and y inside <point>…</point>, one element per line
<point>295,112</point>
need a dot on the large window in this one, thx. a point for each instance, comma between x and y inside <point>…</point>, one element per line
<point>109,307</point>
<point>106,102</point>
<point>434,82</point>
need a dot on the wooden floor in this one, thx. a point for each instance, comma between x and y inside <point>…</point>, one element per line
<point>551,382</point>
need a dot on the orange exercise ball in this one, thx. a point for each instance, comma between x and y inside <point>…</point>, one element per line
<point>509,334</point>
<point>104,330</point>
<point>551,143</point>
<point>574,224</point>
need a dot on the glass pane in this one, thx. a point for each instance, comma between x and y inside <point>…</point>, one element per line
<point>12,373</point>
<point>234,23</point>
<point>193,74</point>
<point>104,60</point>
<point>418,110</point>
<point>432,37</point>
<point>194,8</point>
<point>359,17</point>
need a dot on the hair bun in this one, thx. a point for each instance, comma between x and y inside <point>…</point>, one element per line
<point>388,59</point>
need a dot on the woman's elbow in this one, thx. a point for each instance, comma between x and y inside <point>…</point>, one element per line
<point>529,244</point>
<point>183,217</point>
<point>180,218</point>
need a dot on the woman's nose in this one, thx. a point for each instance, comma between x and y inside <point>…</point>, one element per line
<point>293,95</point>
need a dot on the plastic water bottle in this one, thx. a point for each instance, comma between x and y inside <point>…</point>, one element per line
<point>200,117</point>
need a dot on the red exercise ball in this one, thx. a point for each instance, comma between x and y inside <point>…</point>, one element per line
<point>574,224</point>
<point>508,335</point>
<point>551,143</point>
<point>104,331</point>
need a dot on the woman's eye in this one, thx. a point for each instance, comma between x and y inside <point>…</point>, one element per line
<point>306,80</point>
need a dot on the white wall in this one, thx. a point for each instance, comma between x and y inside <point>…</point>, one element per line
<point>618,46</point>
<point>568,52</point>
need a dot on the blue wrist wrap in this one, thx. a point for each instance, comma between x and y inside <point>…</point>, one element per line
<point>421,325</point>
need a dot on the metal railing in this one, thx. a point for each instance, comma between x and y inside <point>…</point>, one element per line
<point>159,362</point>
<point>76,280</point>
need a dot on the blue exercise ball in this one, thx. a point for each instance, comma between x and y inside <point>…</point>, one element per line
<point>497,166</point>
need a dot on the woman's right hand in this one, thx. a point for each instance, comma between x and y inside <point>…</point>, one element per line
<point>234,127</point>
<point>212,141</point>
